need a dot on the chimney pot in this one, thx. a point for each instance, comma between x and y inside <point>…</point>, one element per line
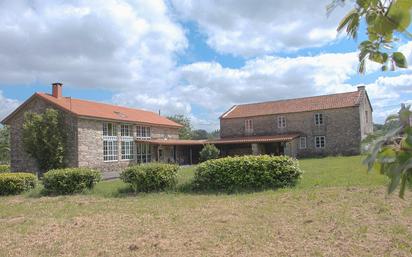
<point>57,90</point>
<point>361,88</point>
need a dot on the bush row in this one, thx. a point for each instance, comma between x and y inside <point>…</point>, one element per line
<point>150,177</point>
<point>247,172</point>
<point>16,183</point>
<point>4,168</point>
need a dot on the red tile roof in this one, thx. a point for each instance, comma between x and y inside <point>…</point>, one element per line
<point>314,103</point>
<point>238,140</point>
<point>84,108</point>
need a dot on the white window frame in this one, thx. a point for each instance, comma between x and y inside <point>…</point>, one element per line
<point>110,142</point>
<point>320,138</point>
<point>301,140</point>
<point>319,119</point>
<point>281,122</point>
<point>127,142</point>
<point>249,126</point>
<point>143,153</point>
<point>143,132</point>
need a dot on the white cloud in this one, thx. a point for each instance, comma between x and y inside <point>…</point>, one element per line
<point>7,105</point>
<point>250,28</point>
<point>267,78</point>
<point>106,44</point>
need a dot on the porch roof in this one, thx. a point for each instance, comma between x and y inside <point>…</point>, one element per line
<point>237,140</point>
<point>255,139</point>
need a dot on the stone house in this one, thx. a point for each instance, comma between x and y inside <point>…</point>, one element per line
<point>312,126</point>
<point>101,136</point>
<point>110,138</point>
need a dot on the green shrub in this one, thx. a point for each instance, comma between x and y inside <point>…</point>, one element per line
<point>209,152</point>
<point>150,177</point>
<point>15,183</point>
<point>70,180</point>
<point>4,168</point>
<point>247,173</point>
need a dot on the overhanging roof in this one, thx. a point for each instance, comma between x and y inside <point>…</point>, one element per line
<point>222,141</point>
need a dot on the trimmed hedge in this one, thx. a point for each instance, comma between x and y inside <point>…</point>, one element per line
<point>4,168</point>
<point>247,172</point>
<point>150,177</point>
<point>209,152</point>
<point>70,180</point>
<point>16,183</point>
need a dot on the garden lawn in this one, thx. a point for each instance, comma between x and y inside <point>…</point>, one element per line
<point>336,210</point>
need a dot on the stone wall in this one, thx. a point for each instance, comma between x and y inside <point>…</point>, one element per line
<point>341,128</point>
<point>20,159</point>
<point>366,122</point>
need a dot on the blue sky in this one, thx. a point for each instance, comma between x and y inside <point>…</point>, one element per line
<point>196,58</point>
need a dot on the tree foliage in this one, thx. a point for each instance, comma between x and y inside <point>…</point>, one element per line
<point>199,134</point>
<point>209,152</point>
<point>385,20</point>
<point>45,138</point>
<point>186,131</point>
<point>4,145</point>
<point>391,154</point>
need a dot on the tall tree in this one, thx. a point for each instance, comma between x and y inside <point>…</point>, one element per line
<point>186,131</point>
<point>45,138</point>
<point>4,145</point>
<point>386,21</point>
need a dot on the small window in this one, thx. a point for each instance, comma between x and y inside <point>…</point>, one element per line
<point>126,130</point>
<point>248,126</point>
<point>318,119</point>
<point>302,143</point>
<point>320,141</point>
<point>109,129</point>
<point>281,122</point>
<point>143,132</point>
<point>366,117</point>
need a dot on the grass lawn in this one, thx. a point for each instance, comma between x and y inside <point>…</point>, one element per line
<point>336,210</point>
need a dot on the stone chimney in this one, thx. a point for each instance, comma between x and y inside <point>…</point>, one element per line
<point>57,90</point>
<point>361,88</point>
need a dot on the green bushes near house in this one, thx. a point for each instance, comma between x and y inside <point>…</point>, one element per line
<point>4,168</point>
<point>70,180</point>
<point>151,177</point>
<point>16,183</point>
<point>247,173</point>
<point>209,152</point>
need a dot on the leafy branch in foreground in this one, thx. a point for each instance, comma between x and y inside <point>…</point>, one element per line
<point>385,19</point>
<point>391,154</point>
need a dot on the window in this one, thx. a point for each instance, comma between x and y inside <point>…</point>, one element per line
<point>248,126</point>
<point>366,117</point>
<point>318,119</point>
<point>127,142</point>
<point>143,132</point>
<point>144,154</point>
<point>281,122</point>
<point>320,141</point>
<point>109,129</point>
<point>302,142</point>
<point>109,142</point>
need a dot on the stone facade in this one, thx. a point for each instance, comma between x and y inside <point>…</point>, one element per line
<point>20,159</point>
<point>343,128</point>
